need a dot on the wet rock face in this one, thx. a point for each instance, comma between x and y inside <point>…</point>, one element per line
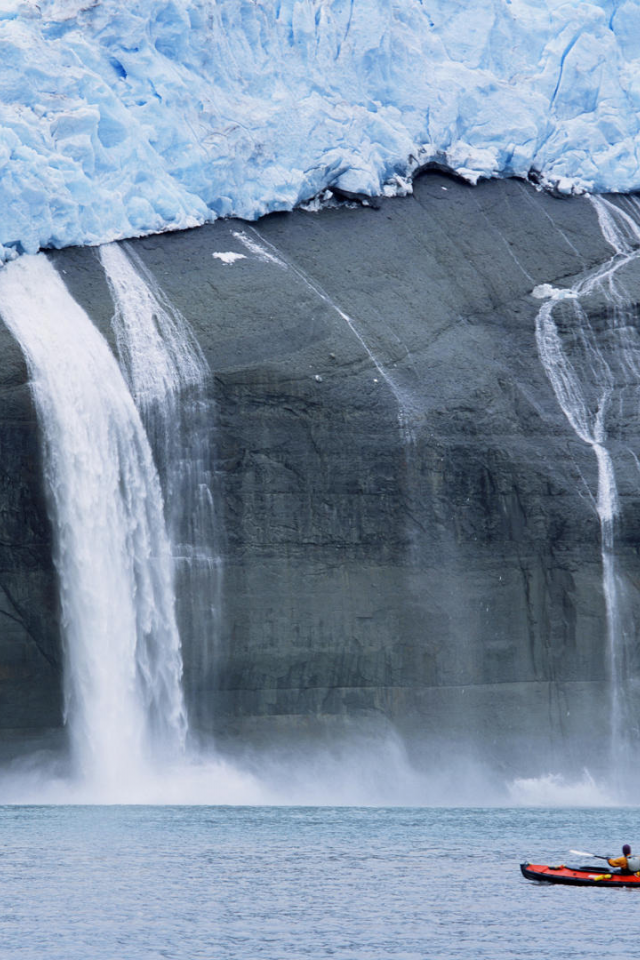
<point>30,677</point>
<point>407,518</point>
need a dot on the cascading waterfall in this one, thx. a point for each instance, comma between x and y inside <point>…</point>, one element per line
<point>588,342</point>
<point>123,696</point>
<point>166,371</point>
<point>157,350</point>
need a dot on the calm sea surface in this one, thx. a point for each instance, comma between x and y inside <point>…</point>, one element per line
<point>273,883</point>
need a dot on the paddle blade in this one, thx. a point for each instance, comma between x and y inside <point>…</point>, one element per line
<point>583,853</point>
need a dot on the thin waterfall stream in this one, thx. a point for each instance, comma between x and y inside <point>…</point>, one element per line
<point>166,371</point>
<point>122,660</point>
<point>591,328</point>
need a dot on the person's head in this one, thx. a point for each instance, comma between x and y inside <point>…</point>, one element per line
<point>626,850</point>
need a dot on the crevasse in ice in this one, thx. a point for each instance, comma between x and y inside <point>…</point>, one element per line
<point>123,118</point>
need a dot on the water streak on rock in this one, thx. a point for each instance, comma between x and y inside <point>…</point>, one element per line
<point>588,342</point>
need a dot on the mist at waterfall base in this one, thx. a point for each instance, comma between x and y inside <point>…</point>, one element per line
<point>110,457</point>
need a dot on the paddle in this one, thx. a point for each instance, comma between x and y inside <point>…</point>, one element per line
<point>582,853</point>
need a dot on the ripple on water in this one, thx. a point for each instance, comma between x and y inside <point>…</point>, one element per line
<point>247,883</point>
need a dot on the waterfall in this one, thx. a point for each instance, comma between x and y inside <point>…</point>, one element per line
<point>122,659</point>
<point>166,371</point>
<point>158,353</point>
<point>588,342</point>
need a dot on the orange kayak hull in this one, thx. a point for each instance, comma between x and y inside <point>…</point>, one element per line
<point>579,876</point>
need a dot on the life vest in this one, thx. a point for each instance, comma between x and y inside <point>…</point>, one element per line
<point>620,862</point>
<point>626,864</point>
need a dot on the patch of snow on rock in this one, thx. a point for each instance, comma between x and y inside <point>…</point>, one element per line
<point>229,257</point>
<point>545,291</point>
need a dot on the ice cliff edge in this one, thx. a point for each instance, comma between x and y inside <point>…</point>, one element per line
<point>119,120</point>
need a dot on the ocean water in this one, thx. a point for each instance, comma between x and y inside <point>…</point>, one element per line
<point>289,883</point>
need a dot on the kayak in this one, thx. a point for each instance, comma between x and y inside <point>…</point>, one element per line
<point>579,876</point>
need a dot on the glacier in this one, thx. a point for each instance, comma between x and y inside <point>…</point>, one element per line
<point>122,119</point>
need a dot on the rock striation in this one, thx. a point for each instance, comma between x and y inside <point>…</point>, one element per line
<point>407,519</point>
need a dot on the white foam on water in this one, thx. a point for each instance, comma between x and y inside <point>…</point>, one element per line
<point>360,770</point>
<point>555,790</point>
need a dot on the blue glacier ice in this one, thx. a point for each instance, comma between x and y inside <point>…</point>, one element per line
<point>125,117</point>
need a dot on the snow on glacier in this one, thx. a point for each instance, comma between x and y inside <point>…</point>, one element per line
<point>123,118</point>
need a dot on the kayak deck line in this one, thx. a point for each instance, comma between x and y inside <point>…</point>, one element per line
<point>578,876</point>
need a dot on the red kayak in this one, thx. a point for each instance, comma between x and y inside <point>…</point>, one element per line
<point>579,876</point>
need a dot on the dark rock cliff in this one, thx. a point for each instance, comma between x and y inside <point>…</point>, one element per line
<point>407,518</point>
<point>30,681</point>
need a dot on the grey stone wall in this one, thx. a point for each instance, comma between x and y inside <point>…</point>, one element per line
<point>30,679</point>
<point>407,519</point>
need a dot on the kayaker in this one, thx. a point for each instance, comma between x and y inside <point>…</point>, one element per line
<point>626,863</point>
